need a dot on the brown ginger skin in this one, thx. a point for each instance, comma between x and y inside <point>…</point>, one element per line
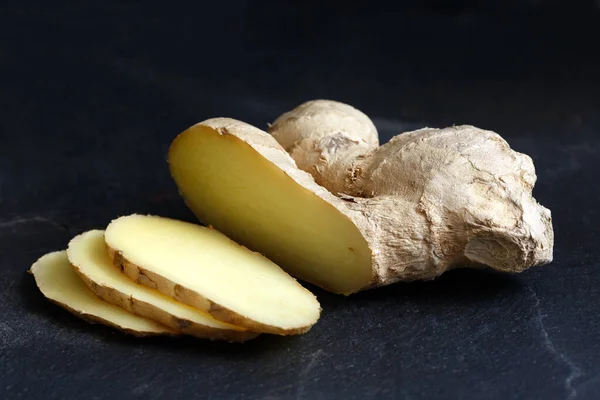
<point>325,138</point>
<point>426,201</point>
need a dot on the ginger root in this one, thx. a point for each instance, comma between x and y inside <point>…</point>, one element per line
<point>325,202</point>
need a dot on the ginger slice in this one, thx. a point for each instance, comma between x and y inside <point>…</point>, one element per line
<point>87,253</point>
<point>203,268</point>
<point>60,284</point>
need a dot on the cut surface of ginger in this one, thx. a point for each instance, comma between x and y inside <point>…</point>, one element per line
<point>60,284</point>
<point>234,187</point>
<point>206,270</point>
<point>87,253</point>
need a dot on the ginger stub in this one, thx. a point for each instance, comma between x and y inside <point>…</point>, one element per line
<point>346,214</point>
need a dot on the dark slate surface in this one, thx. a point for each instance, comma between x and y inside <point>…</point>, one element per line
<point>91,96</point>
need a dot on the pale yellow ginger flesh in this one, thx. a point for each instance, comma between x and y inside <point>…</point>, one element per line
<point>321,198</point>
<point>59,283</point>
<point>87,253</point>
<point>228,184</point>
<point>206,270</point>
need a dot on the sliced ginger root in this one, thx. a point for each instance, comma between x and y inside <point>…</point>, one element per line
<point>60,284</point>
<point>426,202</point>
<point>87,253</point>
<point>203,268</point>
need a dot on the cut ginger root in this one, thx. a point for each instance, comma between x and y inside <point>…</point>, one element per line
<point>87,254</point>
<point>203,268</point>
<point>60,284</point>
<point>324,201</point>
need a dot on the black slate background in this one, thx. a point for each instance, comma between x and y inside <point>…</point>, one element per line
<point>92,95</point>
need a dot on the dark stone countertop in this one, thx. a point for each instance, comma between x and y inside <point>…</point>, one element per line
<point>91,96</point>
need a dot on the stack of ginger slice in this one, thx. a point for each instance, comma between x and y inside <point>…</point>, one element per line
<point>149,275</point>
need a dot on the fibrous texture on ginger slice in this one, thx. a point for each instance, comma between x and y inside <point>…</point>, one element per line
<point>87,253</point>
<point>60,284</point>
<point>203,268</point>
<point>425,202</point>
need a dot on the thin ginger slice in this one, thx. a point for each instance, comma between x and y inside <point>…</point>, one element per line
<point>87,253</point>
<point>60,284</point>
<point>203,268</point>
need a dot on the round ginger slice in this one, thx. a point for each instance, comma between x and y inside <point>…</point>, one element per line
<point>203,268</point>
<point>87,253</point>
<point>60,284</point>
